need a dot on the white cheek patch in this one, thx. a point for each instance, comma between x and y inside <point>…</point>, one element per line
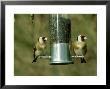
<point>79,38</point>
<point>40,40</point>
<point>40,37</point>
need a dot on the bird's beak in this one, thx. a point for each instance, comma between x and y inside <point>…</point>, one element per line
<point>85,38</point>
<point>45,38</point>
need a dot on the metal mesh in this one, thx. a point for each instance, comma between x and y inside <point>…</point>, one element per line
<point>60,29</point>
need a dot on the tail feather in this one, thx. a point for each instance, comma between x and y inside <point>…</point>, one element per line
<point>34,49</point>
<point>83,60</point>
<point>35,57</point>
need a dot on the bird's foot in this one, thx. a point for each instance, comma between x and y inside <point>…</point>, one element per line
<point>83,60</point>
<point>33,61</point>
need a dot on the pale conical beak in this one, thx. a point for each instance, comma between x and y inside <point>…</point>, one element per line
<point>85,38</point>
<point>45,38</point>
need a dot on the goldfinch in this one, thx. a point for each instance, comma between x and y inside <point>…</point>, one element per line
<point>80,47</point>
<point>39,48</point>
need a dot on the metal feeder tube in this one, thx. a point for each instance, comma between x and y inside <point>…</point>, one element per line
<point>60,31</point>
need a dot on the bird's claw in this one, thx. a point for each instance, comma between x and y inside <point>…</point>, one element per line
<point>33,61</point>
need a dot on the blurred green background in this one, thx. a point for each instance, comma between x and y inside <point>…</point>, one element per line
<point>26,33</point>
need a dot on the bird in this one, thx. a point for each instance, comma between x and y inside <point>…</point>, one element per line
<point>79,47</point>
<point>39,48</point>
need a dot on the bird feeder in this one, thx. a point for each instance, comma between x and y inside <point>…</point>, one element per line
<point>60,35</point>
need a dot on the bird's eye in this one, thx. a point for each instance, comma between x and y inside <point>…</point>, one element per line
<point>43,37</point>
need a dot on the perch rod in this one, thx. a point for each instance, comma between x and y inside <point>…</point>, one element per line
<point>44,57</point>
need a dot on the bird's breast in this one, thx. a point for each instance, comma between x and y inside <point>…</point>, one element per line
<point>78,45</point>
<point>79,48</point>
<point>42,46</point>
